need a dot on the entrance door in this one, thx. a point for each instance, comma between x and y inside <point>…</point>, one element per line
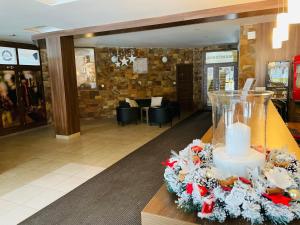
<point>185,86</point>
<point>220,75</point>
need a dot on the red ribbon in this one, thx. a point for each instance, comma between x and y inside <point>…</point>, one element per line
<point>208,207</point>
<point>168,163</point>
<point>189,188</point>
<point>278,199</point>
<point>226,188</point>
<point>245,181</point>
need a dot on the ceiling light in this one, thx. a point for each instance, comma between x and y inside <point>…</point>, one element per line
<point>89,35</point>
<point>42,29</point>
<point>277,43</point>
<point>283,26</point>
<point>293,11</point>
<point>55,2</point>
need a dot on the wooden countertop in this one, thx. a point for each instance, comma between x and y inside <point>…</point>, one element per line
<point>161,210</point>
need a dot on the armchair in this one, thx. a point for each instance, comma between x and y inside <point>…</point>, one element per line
<point>160,116</point>
<point>127,114</point>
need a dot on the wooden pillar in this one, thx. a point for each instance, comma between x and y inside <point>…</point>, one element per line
<point>62,71</point>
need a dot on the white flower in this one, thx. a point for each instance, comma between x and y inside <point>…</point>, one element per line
<point>279,177</point>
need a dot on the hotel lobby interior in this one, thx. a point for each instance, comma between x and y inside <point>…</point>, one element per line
<point>149,112</point>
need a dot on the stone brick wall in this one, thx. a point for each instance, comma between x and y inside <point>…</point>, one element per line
<point>47,84</point>
<point>247,56</point>
<point>120,83</point>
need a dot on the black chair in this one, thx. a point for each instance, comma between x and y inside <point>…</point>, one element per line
<point>127,114</point>
<point>160,116</point>
<point>175,109</point>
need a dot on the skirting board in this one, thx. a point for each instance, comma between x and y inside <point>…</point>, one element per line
<point>68,137</point>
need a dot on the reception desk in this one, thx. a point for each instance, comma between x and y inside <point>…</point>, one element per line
<point>161,210</point>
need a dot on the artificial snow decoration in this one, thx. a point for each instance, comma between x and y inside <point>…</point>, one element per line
<point>270,193</point>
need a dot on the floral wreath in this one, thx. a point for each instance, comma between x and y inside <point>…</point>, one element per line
<point>271,193</point>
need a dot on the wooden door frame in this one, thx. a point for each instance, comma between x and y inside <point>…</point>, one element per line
<point>179,64</point>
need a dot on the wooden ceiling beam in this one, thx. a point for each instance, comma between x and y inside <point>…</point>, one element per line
<point>264,7</point>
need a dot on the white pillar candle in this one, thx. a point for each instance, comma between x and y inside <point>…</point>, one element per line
<point>238,139</point>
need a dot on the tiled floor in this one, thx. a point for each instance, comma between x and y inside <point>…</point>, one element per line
<point>24,201</point>
<point>37,169</point>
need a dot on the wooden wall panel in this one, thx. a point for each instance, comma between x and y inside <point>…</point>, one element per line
<point>61,62</point>
<point>265,52</point>
<point>255,55</point>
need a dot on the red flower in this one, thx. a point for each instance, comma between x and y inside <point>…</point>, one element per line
<point>197,149</point>
<point>168,163</point>
<point>226,188</point>
<point>208,207</point>
<point>203,190</point>
<point>278,199</point>
<point>245,181</point>
<point>189,188</point>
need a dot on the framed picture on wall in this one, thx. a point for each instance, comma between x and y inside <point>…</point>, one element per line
<point>140,66</point>
<point>85,68</point>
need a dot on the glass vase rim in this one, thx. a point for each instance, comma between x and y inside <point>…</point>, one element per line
<point>241,93</point>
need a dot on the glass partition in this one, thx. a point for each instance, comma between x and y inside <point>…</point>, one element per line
<point>9,109</point>
<point>226,78</point>
<point>31,92</point>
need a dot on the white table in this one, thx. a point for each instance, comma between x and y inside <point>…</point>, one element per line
<point>146,110</point>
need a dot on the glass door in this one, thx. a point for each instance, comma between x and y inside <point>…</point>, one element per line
<point>9,102</point>
<point>226,78</point>
<point>210,82</point>
<point>219,77</point>
<point>220,72</point>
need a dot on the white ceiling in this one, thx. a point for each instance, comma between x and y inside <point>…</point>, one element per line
<point>17,15</point>
<point>177,37</point>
